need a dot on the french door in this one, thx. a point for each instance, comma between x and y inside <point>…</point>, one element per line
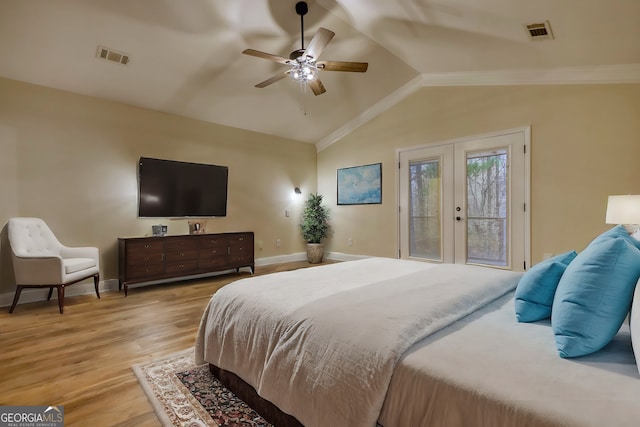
<point>466,201</point>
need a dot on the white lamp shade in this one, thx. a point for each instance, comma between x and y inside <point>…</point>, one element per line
<point>623,210</point>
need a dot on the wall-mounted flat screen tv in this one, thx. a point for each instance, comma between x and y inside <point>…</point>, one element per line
<point>171,189</point>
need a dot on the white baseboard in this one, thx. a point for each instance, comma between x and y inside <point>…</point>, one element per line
<point>300,256</point>
<point>110,285</point>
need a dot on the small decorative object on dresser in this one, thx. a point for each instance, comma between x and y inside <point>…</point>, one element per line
<point>197,227</point>
<point>159,230</point>
<point>146,259</point>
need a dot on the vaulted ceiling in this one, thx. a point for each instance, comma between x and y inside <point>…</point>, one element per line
<point>185,55</point>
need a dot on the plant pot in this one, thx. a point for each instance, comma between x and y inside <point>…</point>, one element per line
<point>315,252</point>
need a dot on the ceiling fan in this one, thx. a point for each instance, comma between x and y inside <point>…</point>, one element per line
<point>303,63</point>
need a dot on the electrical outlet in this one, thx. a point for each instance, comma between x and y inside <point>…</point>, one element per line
<point>547,256</point>
<point>278,243</point>
<point>350,241</point>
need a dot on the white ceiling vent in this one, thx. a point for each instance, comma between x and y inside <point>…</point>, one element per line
<point>112,55</point>
<point>539,31</point>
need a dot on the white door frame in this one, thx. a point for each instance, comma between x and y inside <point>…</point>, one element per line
<point>526,134</point>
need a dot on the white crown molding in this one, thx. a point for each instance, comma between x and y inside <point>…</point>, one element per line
<point>597,74</point>
<point>600,74</point>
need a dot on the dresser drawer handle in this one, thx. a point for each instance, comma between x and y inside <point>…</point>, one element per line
<point>146,246</point>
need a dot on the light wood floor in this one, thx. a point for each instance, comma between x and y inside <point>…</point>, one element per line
<point>82,359</point>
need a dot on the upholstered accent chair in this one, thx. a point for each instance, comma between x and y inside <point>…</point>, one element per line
<point>41,261</point>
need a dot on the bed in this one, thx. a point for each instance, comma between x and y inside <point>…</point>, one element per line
<point>406,343</point>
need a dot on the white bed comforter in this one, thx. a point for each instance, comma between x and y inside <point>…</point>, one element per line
<point>322,343</point>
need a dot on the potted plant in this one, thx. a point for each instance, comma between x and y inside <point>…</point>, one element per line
<point>315,227</point>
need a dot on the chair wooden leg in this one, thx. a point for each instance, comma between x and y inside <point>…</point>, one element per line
<point>50,293</point>
<point>16,298</point>
<point>61,298</point>
<point>96,282</point>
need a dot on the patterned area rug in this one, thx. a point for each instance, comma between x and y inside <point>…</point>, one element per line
<point>187,395</point>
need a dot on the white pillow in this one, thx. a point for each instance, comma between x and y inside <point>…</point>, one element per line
<point>634,324</point>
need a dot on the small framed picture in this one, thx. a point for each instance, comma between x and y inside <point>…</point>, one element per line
<point>197,227</point>
<point>360,185</point>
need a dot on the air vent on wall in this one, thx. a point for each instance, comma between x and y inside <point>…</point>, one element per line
<point>112,55</point>
<point>539,31</point>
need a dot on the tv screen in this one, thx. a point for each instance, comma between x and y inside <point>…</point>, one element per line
<point>170,189</point>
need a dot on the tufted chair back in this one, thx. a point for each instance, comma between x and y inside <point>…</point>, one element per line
<point>31,237</point>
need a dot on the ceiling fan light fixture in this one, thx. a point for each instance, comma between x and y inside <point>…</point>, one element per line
<point>304,72</point>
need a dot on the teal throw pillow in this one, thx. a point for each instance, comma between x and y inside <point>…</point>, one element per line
<point>537,287</point>
<point>619,231</point>
<point>594,296</point>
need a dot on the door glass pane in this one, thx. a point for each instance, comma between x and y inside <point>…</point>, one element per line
<point>424,209</point>
<point>487,208</point>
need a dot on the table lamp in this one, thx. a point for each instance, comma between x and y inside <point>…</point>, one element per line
<point>624,210</point>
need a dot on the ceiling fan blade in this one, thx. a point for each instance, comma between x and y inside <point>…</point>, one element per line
<point>264,55</point>
<point>355,67</point>
<point>317,87</point>
<point>273,79</point>
<point>318,43</point>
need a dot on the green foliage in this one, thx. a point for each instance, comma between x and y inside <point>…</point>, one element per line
<point>314,224</point>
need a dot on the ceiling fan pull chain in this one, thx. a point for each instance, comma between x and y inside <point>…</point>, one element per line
<point>303,89</point>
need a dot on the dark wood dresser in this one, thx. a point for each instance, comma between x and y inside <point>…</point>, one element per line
<point>146,259</point>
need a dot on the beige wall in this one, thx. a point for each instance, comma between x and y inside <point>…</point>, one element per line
<point>72,160</point>
<point>585,146</point>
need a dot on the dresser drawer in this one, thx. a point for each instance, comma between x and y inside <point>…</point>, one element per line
<point>178,268</point>
<point>241,240</point>
<point>214,252</point>
<point>181,244</point>
<point>144,252</point>
<point>208,262</point>
<point>239,259</point>
<point>214,242</point>
<point>182,255</point>
<point>144,271</point>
